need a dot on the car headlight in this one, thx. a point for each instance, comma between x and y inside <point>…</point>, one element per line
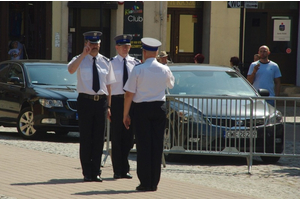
<point>275,118</point>
<point>49,103</point>
<point>190,116</point>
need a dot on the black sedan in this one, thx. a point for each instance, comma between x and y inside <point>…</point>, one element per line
<point>37,96</point>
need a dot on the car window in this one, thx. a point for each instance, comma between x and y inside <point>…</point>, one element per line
<point>213,83</point>
<point>3,72</point>
<point>47,74</point>
<point>15,71</point>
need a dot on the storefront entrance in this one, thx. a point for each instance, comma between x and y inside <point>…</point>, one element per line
<point>29,22</point>
<point>184,32</point>
<point>278,30</point>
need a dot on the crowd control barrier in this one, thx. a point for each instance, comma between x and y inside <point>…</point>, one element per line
<point>231,126</point>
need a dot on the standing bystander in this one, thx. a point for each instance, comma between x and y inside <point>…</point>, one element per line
<point>146,88</point>
<point>163,58</point>
<point>199,58</point>
<point>14,52</point>
<point>121,138</point>
<point>256,57</point>
<point>94,76</point>
<point>265,73</point>
<point>234,63</point>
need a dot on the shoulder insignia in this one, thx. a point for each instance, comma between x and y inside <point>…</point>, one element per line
<point>137,60</point>
<point>138,64</point>
<point>106,59</point>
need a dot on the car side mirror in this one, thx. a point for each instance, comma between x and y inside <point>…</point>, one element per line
<point>264,92</point>
<point>15,80</point>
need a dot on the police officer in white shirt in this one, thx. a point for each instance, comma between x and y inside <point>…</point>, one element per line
<point>121,138</point>
<point>146,88</point>
<point>94,76</point>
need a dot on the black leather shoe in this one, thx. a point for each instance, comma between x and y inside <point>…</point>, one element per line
<point>117,176</point>
<point>97,179</point>
<point>87,179</point>
<point>127,175</point>
<point>142,188</point>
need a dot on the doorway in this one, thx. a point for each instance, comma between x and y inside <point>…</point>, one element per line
<point>260,27</point>
<point>28,25</point>
<point>184,34</point>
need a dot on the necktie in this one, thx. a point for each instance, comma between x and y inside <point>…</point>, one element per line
<point>125,73</point>
<point>96,85</point>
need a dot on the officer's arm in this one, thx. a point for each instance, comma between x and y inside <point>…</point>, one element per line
<point>108,102</point>
<point>73,66</point>
<point>127,104</point>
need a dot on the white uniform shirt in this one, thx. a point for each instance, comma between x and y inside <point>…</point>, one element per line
<point>149,80</point>
<point>117,63</point>
<point>85,74</point>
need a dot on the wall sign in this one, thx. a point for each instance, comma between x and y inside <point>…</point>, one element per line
<point>282,30</point>
<point>133,25</point>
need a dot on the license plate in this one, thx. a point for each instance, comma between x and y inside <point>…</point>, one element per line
<point>241,134</point>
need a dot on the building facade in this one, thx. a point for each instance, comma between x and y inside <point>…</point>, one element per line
<point>217,29</point>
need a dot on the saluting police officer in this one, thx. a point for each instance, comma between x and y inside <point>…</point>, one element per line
<point>94,76</point>
<point>121,138</point>
<point>146,88</point>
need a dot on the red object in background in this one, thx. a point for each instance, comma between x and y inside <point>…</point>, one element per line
<point>288,50</point>
<point>120,2</point>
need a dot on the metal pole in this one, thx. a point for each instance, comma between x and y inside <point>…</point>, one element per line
<point>242,39</point>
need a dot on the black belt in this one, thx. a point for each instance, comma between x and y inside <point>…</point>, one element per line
<point>119,95</point>
<point>95,97</point>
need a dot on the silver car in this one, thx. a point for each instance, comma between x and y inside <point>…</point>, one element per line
<point>214,108</point>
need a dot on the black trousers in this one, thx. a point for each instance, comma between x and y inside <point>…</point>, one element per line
<point>149,124</point>
<point>121,138</point>
<point>92,119</point>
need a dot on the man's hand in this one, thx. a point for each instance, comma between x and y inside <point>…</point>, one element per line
<point>256,68</point>
<point>108,114</point>
<point>126,121</point>
<point>87,49</point>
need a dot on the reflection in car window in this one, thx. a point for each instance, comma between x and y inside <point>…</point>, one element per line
<point>3,72</point>
<point>47,74</point>
<point>212,83</point>
<point>15,71</point>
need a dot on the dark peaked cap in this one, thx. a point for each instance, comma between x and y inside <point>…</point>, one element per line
<point>150,44</point>
<point>123,39</point>
<point>92,36</point>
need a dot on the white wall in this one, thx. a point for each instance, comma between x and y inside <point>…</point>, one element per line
<point>224,33</point>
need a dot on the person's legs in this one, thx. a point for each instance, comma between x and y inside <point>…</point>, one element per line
<point>143,142</point>
<point>85,129</point>
<point>99,121</point>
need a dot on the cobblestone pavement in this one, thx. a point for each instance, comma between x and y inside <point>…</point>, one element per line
<point>267,181</point>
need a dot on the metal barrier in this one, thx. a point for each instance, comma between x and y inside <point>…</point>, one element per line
<point>231,126</point>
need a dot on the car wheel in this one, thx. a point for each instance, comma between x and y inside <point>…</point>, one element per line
<point>269,159</point>
<point>25,124</point>
<point>61,132</point>
<point>272,159</point>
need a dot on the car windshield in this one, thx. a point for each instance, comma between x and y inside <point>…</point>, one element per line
<point>212,83</point>
<point>50,74</point>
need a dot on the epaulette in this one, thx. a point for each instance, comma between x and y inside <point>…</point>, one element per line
<point>137,60</point>
<point>106,59</point>
<point>138,64</point>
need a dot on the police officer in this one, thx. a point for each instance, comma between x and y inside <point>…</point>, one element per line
<point>121,138</point>
<point>146,88</point>
<point>94,76</point>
